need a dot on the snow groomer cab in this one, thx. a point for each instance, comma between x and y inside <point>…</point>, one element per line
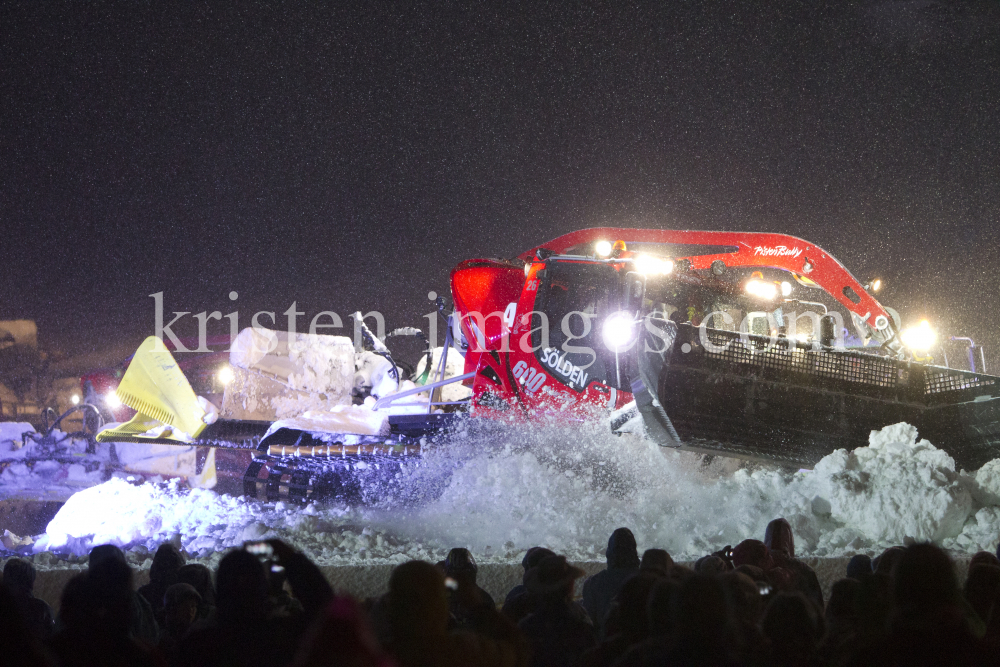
<point>761,346</point>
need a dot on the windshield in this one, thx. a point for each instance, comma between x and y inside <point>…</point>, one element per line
<point>725,303</point>
<point>577,297</point>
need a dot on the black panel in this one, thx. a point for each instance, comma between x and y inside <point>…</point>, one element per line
<point>760,399</point>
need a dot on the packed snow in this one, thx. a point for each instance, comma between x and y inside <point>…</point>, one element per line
<point>54,472</point>
<point>501,489</point>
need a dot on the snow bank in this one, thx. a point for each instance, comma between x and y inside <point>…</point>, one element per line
<point>895,488</point>
<point>203,523</point>
<point>11,434</point>
<point>29,468</point>
<point>278,375</point>
<point>570,488</point>
<point>125,514</point>
<point>500,490</point>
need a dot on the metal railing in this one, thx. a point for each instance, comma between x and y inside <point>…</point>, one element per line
<point>390,400</point>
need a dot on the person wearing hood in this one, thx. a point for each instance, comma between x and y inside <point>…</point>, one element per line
<point>162,575</point>
<point>467,599</point>
<point>555,631</point>
<point>780,543</point>
<point>623,564</point>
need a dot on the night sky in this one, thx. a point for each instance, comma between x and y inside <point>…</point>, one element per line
<point>348,158</point>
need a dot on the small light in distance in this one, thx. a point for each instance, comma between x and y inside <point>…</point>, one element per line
<point>653,266</point>
<point>603,248</point>
<point>876,284</point>
<point>111,398</point>
<point>761,289</point>
<point>919,338</point>
<point>786,288</point>
<point>618,331</point>
<point>74,399</point>
<point>225,375</point>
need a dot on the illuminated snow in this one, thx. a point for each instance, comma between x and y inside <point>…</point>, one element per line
<point>507,489</point>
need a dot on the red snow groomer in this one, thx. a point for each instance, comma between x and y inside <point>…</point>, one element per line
<point>760,346</point>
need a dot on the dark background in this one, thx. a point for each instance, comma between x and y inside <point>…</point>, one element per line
<point>347,158</point>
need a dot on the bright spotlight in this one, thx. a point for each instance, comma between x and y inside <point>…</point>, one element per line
<point>618,331</point>
<point>225,375</point>
<point>876,284</point>
<point>919,338</point>
<point>603,248</point>
<point>761,289</point>
<point>74,399</point>
<point>653,266</point>
<point>786,288</point>
<point>111,398</point>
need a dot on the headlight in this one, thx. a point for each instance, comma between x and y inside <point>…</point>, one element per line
<point>225,375</point>
<point>919,338</point>
<point>603,248</point>
<point>762,289</point>
<point>653,266</point>
<point>111,398</point>
<point>618,331</point>
<point>74,399</point>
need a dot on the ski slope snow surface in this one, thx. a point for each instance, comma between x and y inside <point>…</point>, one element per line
<point>500,490</point>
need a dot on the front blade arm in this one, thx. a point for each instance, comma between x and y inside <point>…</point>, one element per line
<point>652,355</point>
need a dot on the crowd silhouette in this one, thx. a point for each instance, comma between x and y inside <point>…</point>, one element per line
<point>754,604</point>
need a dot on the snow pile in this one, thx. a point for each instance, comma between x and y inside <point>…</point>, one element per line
<point>29,468</point>
<point>140,517</point>
<point>125,514</point>
<point>323,375</point>
<point>569,487</point>
<point>277,374</point>
<point>11,435</point>
<point>499,490</point>
<point>897,487</point>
